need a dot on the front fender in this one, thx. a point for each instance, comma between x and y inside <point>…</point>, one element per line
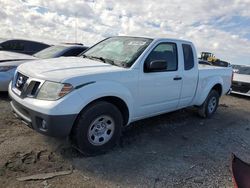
<point>99,89</point>
<point>205,87</point>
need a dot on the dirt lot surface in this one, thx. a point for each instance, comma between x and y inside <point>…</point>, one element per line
<point>178,149</point>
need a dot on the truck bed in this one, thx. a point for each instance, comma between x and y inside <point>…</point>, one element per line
<point>210,67</point>
<point>208,77</point>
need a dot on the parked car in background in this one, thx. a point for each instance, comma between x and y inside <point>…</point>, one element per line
<point>60,50</point>
<point>8,64</point>
<point>9,61</point>
<point>117,81</point>
<point>241,80</point>
<point>22,46</point>
<point>13,56</point>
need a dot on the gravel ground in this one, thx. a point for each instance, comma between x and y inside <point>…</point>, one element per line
<point>177,149</point>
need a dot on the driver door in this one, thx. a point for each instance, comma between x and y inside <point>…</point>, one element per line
<point>159,91</point>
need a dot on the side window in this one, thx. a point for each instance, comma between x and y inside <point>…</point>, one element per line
<point>188,56</point>
<point>167,52</point>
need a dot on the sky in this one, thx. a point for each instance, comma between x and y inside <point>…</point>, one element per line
<point>221,27</point>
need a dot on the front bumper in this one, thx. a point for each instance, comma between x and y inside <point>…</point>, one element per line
<point>50,125</point>
<point>241,88</point>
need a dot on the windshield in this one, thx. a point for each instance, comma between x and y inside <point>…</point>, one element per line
<point>50,52</point>
<point>120,51</point>
<point>241,69</point>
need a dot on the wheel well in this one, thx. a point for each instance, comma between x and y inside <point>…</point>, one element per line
<point>119,103</point>
<point>218,88</point>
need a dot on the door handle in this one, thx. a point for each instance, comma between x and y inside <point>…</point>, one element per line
<point>177,78</point>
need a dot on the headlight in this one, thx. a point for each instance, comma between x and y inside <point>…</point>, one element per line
<point>53,90</point>
<point>6,68</point>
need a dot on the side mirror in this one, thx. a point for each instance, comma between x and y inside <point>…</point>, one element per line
<point>156,66</point>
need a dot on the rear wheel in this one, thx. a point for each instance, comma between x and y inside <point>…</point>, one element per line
<point>209,107</point>
<point>98,128</point>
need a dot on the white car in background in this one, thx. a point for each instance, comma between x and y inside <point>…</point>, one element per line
<point>241,80</point>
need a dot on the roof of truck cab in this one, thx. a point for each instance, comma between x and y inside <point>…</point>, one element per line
<point>173,39</point>
<point>158,38</point>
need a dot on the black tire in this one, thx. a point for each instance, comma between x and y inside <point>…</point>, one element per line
<point>80,134</point>
<point>204,110</point>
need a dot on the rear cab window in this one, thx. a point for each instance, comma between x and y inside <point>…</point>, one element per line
<point>188,56</point>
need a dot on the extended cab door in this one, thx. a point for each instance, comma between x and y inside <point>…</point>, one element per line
<point>159,91</point>
<point>190,74</point>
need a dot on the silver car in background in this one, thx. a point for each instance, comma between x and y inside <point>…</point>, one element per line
<point>8,64</point>
<point>9,61</point>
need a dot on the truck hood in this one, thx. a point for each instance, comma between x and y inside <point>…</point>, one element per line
<point>64,68</point>
<point>12,56</point>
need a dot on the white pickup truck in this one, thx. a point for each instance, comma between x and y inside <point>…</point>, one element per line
<point>117,81</point>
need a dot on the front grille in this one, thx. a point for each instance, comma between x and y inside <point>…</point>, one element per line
<point>20,81</point>
<point>32,88</point>
<point>241,87</point>
<point>25,86</point>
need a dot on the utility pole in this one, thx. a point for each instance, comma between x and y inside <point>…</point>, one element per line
<point>76,26</point>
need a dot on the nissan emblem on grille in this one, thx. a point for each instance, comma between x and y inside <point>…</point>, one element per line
<point>20,82</point>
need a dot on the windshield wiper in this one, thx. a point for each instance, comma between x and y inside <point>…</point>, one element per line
<point>93,57</point>
<point>99,58</point>
<point>109,61</point>
<point>85,56</point>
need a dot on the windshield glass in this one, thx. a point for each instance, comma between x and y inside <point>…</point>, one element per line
<point>120,51</point>
<point>241,69</point>
<point>50,52</point>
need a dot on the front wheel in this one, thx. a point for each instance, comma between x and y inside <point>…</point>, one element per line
<point>98,128</point>
<point>209,107</point>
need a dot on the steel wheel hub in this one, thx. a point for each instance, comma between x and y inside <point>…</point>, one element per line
<point>212,104</point>
<point>101,130</point>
